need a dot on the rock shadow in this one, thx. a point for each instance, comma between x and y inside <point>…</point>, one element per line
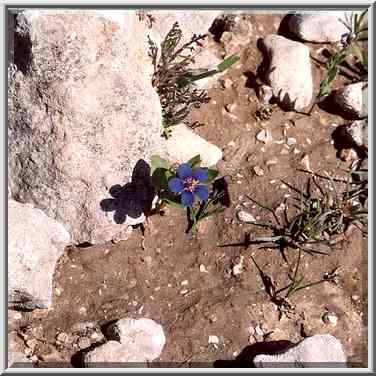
<point>132,199</point>
<point>246,357</point>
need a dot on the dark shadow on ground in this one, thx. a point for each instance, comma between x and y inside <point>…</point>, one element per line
<point>133,198</point>
<point>245,358</point>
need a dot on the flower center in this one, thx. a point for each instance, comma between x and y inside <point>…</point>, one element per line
<point>190,184</point>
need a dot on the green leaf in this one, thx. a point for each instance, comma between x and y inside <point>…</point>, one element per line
<point>157,162</point>
<point>159,178</point>
<point>212,175</point>
<point>195,161</point>
<point>231,60</point>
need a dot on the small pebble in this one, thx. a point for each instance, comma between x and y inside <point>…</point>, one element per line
<point>296,151</point>
<point>330,318</point>
<point>238,268</point>
<point>264,136</point>
<point>259,171</point>
<point>245,217</point>
<point>227,83</point>
<point>183,292</point>
<point>272,161</point>
<point>355,298</point>
<point>57,291</point>
<point>213,340</point>
<point>213,318</point>
<point>283,186</point>
<point>308,141</point>
<point>291,141</point>
<point>82,311</point>
<point>184,283</point>
<point>230,107</point>
<point>272,181</point>
<point>231,143</point>
<point>203,269</point>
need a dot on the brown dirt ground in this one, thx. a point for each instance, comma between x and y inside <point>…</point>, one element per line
<point>142,277</point>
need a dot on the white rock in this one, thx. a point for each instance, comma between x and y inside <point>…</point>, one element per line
<point>35,242</point>
<point>264,136</point>
<point>213,340</point>
<point>357,131</point>
<point>143,337</point>
<point>316,351</point>
<point>184,144</point>
<point>77,126</point>
<point>319,28</point>
<point>289,72</point>
<point>353,99</point>
<point>245,216</point>
<point>330,318</point>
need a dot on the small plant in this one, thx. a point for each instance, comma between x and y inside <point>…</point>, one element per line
<point>189,187</point>
<point>358,32</point>
<point>174,79</point>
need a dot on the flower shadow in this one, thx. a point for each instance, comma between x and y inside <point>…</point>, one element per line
<point>132,199</point>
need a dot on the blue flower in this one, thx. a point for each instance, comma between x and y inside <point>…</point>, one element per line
<point>187,183</point>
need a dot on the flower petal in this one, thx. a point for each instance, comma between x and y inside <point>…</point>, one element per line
<point>202,192</point>
<point>200,174</point>
<point>187,198</point>
<point>175,185</point>
<point>184,171</point>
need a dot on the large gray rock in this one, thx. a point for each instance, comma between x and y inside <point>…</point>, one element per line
<point>132,340</point>
<point>353,99</point>
<point>321,27</point>
<point>289,72</point>
<point>316,351</point>
<point>82,113</point>
<point>35,242</point>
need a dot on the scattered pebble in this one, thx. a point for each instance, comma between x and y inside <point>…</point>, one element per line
<point>245,216</point>
<point>57,291</point>
<point>213,318</point>
<point>306,163</point>
<point>259,171</point>
<point>272,181</point>
<point>82,311</point>
<point>272,161</point>
<point>231,143</point>
<point>264,136</point>
<point>283,186</point>
<point>230,107</point>
<point>184,283</point>
<point>238,268</point>
<point>309,142</point>
<point>330,318</point>
<point>296,151</point>
<point>213,340</point>
<point>203,269</point>
<point>183,292</point>
<point>355,298</point>
<point>259,331</point>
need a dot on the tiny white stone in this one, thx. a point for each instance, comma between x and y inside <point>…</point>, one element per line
<point>231,143</point>
<point>246,217</point>
<point>184,283</point>
<point>283,186</point>
<point>272,181</point>
<point>259,331</point>
<point>213,339</point>
<point>309,141</point>
<point>183,292</point>
<point>203,269</point>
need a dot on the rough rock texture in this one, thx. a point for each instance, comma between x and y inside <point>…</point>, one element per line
<point>35,242</point>
<point>289,71</point>
<point>319,28</point>
<point>138,341</point>
<point>83,117</point>
<point>353,99</point>
<point>185,144</point>
<point>316,351</point>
